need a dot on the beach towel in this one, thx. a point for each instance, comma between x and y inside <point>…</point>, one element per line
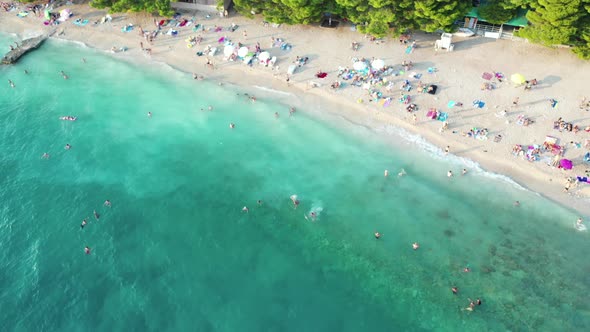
<point>387,102</point>
<point>583,179</point>
<point>127,28</point>
<point>22,14</point>
<point>478,104</point>
<point>80,22</point>
<point>451,104</point>
<point>442,116</point>
<point>487,76</point>
<point>431,70</point>
<point>409,49</point>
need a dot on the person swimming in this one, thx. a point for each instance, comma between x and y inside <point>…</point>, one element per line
<point>402,172</point>
<point>232,125</point>
<point>464,171</point>
<point>107,203</point>
<point>64,75</point>
<point>313,215</point>
<point>291,111</point>
<point>96,215</point>
<point>245,209</point>
<point>295,201</point>
<point>87,250</point>
<point>83,224</point>
<point>45,155</point>
<point>149,114</point>
<point>259,202</point>
<point>415,245</point>
<point>11,83</point>
<point>455,290</point>
<point>67,147</point>
<point>377,235</point>
<point>386,173</point>
<point>277,115</point>
<point>450,174</point>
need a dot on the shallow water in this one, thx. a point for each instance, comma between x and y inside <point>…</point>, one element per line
<point>175,251</point>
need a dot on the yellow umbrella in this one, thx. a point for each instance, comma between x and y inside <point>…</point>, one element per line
<point>517,78</point>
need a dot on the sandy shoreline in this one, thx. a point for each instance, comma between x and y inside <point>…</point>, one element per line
<point>458,76</point>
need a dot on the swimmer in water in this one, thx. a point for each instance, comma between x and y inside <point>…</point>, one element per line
<point>232,126</point>
<point>295,201</point>
<point>478,302</point>
<point>386,173</point>
<point>402,172</point>
<point>516,203</point>
<point>245,209</point>
<point>259,202</point>
<point>149,115</point>
<point>83,224</point>
<point>579,222</point>
<point>96,215</point>
<point>67,147</point>
<point>313,215</point>
<point>83,60</point>
<point>464,171</point>
<point>377,235</point>
<point>11,83</point>
<point>107,203</point>
<point>455,290</point>
<point>450,174</point>
<point>466,269</point>
<point>415,245</point>
<point>26,72</point>
<point>291,111</point>
<point>64,75</point>
<point>277,115</point>
<point>210,107</point>
<point>87,250</point>
<point>45,155</point>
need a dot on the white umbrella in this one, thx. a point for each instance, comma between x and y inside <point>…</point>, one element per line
<point>263,56</point>
<point>228,50</point>
<point>359,65</point>
<point>378,64</point>
<point>243,51</point>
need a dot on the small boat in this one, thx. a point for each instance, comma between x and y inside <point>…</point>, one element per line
<point>464,32</point>
<point>68,118</point>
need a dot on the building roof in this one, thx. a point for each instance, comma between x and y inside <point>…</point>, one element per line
<point>519,20</point>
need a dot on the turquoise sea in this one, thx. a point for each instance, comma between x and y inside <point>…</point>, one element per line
<point>175,252</point>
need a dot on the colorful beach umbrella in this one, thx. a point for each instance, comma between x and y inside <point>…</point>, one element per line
<point>566,163</point>
<point>517,79</point>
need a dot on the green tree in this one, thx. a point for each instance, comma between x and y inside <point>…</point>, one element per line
<point>497,12</point>
<point>285,11</point>
<point>432,15</point>
<point>162,7</point>
<point>555,22</point>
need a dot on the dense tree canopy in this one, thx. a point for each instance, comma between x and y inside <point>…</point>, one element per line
<point>552,22</point>
<point>162,7</point>
<point>497,11</point>
<point>560,22</point>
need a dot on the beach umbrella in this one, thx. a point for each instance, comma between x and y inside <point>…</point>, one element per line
<point>359,65</point>
<point>566,163</point>
<point>378,64</point>
<point>263,56</point>
<point>243,51</point>
<point>451,104</point>
<point>517,78</point>
<point>228,50</point>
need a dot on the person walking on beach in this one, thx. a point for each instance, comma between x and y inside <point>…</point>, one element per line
<point>515,102</point>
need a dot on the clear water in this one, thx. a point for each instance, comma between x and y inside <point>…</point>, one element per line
<point>176,253</point>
